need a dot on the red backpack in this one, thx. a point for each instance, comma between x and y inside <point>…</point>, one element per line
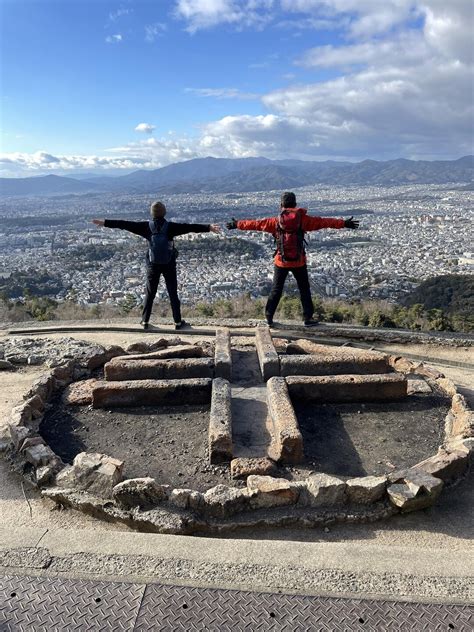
<point>289,238</point>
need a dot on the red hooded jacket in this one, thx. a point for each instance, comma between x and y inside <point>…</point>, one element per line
<point>309,222</point>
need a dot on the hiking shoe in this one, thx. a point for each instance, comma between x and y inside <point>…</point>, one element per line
<point>269,321</point>
<point>180,325</point>
<point>309,322</point>
<point>144,324</point>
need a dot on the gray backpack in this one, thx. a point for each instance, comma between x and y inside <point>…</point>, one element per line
<point>161,249</point>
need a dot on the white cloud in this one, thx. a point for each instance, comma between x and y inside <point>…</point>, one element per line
<point>115,15</point>
<point>204,14</point>
<point>146,128</point>
<point>223,93</point>
<point>114,39</point>
<point>152,31</point>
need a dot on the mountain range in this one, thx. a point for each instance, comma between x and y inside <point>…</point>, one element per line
<point>239,175</point>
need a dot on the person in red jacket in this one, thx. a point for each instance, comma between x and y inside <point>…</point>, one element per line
<point>288,229</point>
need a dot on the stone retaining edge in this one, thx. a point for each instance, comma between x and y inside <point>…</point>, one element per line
<point>407,490</point>
<point>223,354</point>
<point>220,422</point>
<point>288,441</point>
<point>267,356</point>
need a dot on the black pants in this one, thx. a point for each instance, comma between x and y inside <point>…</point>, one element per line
<point>279,278</point>
<point>153,274</point>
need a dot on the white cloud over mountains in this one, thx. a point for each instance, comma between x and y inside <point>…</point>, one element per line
<point>400,88</point>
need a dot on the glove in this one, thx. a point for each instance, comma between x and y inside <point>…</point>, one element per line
<point>231,225</point>
<point>351,223</point>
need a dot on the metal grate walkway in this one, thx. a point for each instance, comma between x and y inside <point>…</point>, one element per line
<point>43,604</point>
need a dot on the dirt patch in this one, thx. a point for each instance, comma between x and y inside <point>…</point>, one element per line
<point>167,443</point>
<point>371,438</point>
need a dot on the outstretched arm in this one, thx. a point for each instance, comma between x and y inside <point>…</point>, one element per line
<point>316,223</point>
<point>138,228</point>
<point>182,229</point>
<point>267,225</point>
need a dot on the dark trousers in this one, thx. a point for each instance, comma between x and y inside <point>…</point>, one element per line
<point>153,274</point>
<point>279,278</point>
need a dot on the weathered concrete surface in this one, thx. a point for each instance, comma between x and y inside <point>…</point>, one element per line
<point>331,365</point>
<point>348,388</point>
<point>267,356</point>
<point>220,422</point>
<point>159,369</point>
<point>223,354</point>
<point>177,351</point>
<point>252,428</point>
<point>288,438</point>
<point>152,392</point>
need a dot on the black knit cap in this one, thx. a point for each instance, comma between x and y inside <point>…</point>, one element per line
<point>288,199</point>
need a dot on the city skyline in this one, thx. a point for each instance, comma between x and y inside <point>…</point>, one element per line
<point>117,86</point>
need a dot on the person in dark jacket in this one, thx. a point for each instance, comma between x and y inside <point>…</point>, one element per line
<point>155,270</point>
<point>297,266</point>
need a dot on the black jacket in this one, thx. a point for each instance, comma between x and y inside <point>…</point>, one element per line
<point>143,229</point>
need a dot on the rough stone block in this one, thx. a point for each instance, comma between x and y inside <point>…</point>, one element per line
<point>36,406</point>
<point>287,436</point>
<point>140,492</point>
<point>413,489</point>
<point>18,434</point>
<point>220,422</point>
<point>267,356</point>
<point>223,354</point>
<point>44,474</point>
<point>462,418</point>
<point>39,455</point>
<point>80,393</point>
<point>147,347</point>
<point>271,492</point>
<point>178,351</point>
<point>366,489</point>
<point>241,468</point>
<point>30,441</point>
<point>418,386</point>
<point>447,386</point>
<point>348,388</point>
<point>332,365</point>
<point>402,365</point>
<point>64,373</point>
<point>187,499</point>
<point>323,489</point>
<point>445,465</point>
<point>222,501</point>
<point>5,365</point>
<point>331,360</point>
<point>92,472</point>
<point>126,369</point>
<point>44,386</point>
<point>152,393</point>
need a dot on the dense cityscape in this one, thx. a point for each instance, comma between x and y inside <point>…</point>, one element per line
<point>407,234</point>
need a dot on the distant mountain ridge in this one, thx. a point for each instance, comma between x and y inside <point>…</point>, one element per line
<point>239,175</point>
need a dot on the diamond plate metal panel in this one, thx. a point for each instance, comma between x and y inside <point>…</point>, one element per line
<point>41,604</point>
<point>172,608</point>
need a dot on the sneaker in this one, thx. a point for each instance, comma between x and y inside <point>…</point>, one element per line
<point>144,324</point>
<point>180,325</point>
<point>269,321</point>
<point>309,322</point>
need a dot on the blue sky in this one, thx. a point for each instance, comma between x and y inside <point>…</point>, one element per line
<point>310,79</point>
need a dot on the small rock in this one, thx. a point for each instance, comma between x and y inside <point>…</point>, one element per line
<point>323,489</point>
<point>140,492</point>
<point>39,455</point>
<point>241,468</point>
<point>366,489</point>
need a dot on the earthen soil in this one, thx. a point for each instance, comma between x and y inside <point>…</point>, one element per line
<point>371,438</point>
<point>167,443</point>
